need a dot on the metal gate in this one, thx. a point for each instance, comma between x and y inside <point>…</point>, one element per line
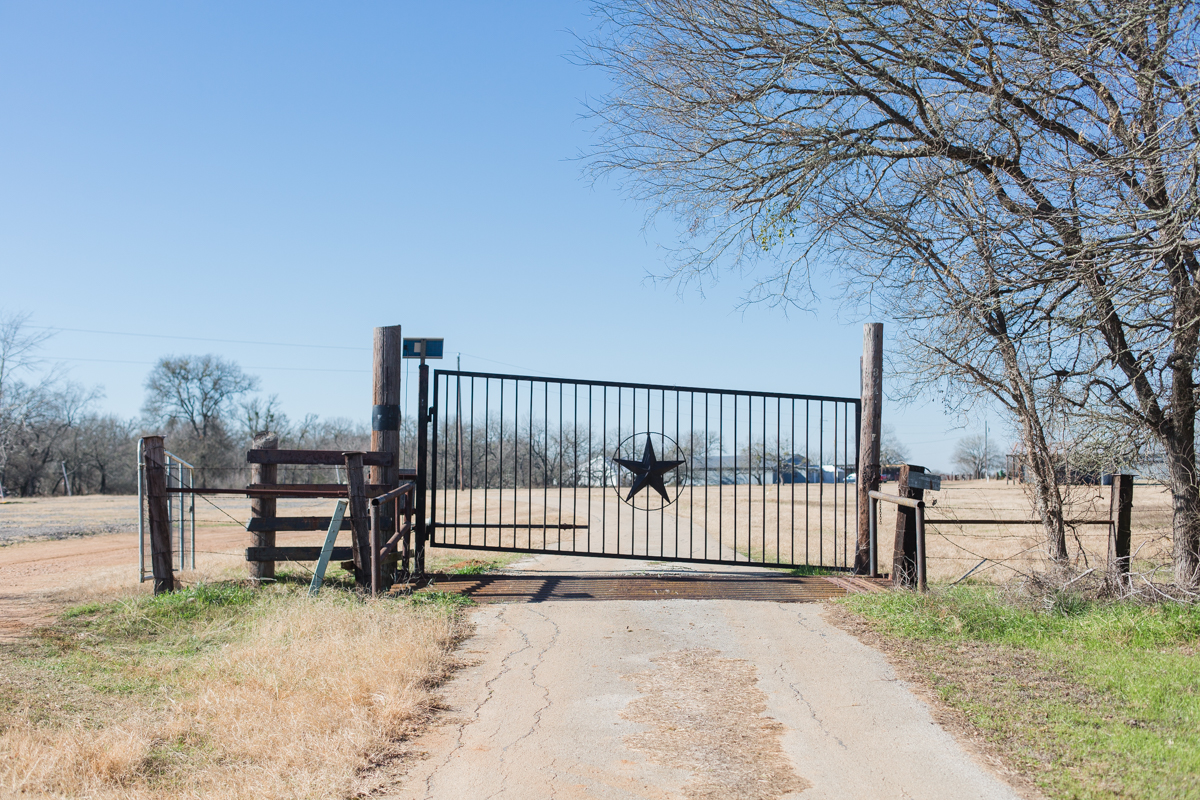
<point>630,470</point>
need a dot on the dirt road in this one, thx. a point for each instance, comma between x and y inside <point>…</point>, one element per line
<point>682,699</point>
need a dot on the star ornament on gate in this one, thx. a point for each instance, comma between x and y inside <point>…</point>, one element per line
<point>648,472</point>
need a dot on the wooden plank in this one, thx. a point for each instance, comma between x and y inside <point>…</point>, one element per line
<point>293,524</point>
<point>360,524</point>
<point>262,508</point>
<point>155,460</point>
<point>302,553</point>
<point>319,458</point>
<point>335,524</point>
<point>377,488</point>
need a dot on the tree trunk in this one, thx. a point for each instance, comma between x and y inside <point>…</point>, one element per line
<point>1047,496</point>
<point>1185,499</point>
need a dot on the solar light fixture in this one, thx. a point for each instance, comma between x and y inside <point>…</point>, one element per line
<point>422,348</point>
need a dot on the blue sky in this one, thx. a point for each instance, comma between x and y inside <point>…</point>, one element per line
<point>302,172</point>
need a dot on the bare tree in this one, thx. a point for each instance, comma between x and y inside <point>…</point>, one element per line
<point>1058,141</point>
<point>891,449</point>
<point>977,456</point>
<point>194,398</point>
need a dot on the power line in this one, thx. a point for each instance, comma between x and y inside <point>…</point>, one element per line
<point>198,339</point>
<point>152,363</point>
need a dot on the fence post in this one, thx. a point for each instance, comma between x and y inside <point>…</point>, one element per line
<point>359,521</point>
<point>868,446</point>
<point>1120,514</point>
<point>387,366</point>
<point>422,469</point>
<point>263,507</point>
<point>904,558</point>
<point>154,458</point>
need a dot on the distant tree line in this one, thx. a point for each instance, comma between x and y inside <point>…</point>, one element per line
<point>53,439</point>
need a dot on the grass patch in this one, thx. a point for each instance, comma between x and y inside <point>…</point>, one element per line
<point>221,690</point>
<point>1090,699</point>
<point>808,570</point>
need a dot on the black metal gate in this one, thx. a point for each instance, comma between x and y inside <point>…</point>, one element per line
<point>628,470</point>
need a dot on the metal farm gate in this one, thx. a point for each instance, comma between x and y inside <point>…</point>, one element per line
<point>627,470</point>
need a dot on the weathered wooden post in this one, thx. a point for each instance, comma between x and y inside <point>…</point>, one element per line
<point>263,508</point>
<point>865,557</point>
<point>360,524</point>
<point>904,557</point>
<point>1120,531</point>
<point>155,460</point>
<point>385,422</point>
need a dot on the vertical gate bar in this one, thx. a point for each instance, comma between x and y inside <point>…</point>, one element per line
<point>529,479</point>
<point>662,506</point>
<point>792,467</point>
<point>807,481</point>
<point>720,474</point>
<point>471,473</point>
<point>545,458</point>
<point>500,469</point>
<point>617,472</point>
<point>559,455</point>
<point>528,458</point>
<point>680,488</point>
<point>778,476</point>
<point>692,475</point>
<point>707,464</point>
<point>835,485</point>
<point>821,485</point>
<point>591,472</point>
<point>433,457</point>
<point>603,474</point>
<point>575,467</point>
<point>487,455</point>
<point>735,476</point>
<point>458,448</point>
<point>763,477</point>
<point>846,485</point>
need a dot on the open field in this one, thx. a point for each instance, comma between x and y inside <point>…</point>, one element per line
<point>799,524</point>
<point>49,561</point>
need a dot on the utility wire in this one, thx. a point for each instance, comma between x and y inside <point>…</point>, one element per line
<point>198,339</point>
<point>152,363</point>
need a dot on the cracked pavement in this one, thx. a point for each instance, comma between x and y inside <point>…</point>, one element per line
<point>539,713</point>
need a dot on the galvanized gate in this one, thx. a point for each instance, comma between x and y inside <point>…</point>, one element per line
<point>629,470</point>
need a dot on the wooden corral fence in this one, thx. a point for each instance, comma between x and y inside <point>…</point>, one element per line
<point>381,494</point>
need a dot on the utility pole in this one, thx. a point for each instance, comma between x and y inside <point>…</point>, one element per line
<point>986,477</point>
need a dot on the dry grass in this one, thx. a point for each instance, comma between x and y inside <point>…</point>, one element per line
<point>284,698</point>
<point>812,524</point>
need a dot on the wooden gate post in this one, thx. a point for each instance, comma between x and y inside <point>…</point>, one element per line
<point>155,460</point>
<point>360,524</point>
<point>1119,531</point>
<point>868,447</point>
<point>904,558</point>
<point>263,507</point>
<point>385,422</point>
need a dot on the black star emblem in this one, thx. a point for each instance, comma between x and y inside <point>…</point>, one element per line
<point>649,472</point>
